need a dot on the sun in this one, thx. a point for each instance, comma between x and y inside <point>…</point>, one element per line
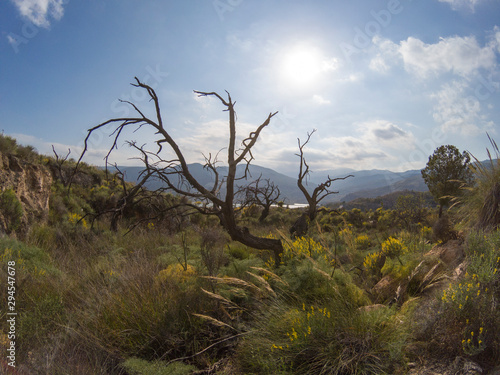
<point>301,65</point>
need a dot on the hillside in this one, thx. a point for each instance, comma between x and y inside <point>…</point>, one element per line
<point>369,292</point>
<point>363,184</point>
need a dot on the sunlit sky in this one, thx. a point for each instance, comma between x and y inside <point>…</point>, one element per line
<point>383,82</point>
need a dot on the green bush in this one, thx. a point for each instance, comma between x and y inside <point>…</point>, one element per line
<point>330,338</point>
<point>8,145</point>
<point>136,366</point>
<point>471,321</point>
<point>27,153</point>
<point>11,209</point>
<point>29,259</point>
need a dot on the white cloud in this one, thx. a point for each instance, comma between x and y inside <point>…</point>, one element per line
<point>460,55</point>
<point>39,11</point>
<point>495,38</point>
<point>378,143</point>
<point>320,100</point>
<point>458,113</point>
<point>388,54</point>
<point>458,4</point>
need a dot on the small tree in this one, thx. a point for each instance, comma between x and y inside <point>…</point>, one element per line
<point>445,173</point>
<point>263,193</point>
<point>321,191</point>
<point>175,174</point>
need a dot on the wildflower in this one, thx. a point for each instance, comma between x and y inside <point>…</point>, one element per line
<point>480,330</point>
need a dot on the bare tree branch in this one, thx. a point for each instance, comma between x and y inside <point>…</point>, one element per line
<point>175,173</point>
<point>321,191</point>
<point>260,192</point>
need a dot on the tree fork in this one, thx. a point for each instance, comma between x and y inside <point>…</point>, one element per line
<point>176,175</point>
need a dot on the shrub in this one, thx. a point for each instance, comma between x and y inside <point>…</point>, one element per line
<point>11,209</point>
<point>469,304</point>
<point>302,247</point>
<point>363,242</point>
<point>238,251</point>
<point>8,145</point>
<point>136,366</point>
<point>374,262</point>
<point>27,153</point>
<point>333,338</point>
<point>30,259</point>
<point>479,206</point>
<point>393,248</point>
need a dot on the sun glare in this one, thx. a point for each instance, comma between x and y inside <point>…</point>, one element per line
<point>301,65</point>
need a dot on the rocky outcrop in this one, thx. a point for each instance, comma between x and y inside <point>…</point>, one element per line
<point>450,253</point>
<point>32,185</point>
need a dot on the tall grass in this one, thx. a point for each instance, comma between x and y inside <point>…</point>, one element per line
<point>480,205</point>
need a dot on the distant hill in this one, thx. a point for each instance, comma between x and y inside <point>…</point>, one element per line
<point>364,184</point>
<point>387,201</point>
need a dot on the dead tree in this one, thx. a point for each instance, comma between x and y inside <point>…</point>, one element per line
<point>300,226</point>
<point>321,191</point>
<point>129,197</point>
<point>263,193</point>
<point>59,167</point>
<point>175,174</point>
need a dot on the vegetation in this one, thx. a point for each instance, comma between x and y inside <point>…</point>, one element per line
<point>445,173</point>
<point>11,210</point>
<point>359,293</point>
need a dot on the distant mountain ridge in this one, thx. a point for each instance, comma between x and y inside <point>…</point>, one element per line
<point>364,184</point>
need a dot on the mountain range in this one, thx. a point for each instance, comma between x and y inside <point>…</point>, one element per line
<point>363,184</point>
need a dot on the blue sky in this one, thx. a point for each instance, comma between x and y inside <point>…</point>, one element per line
<point>383,82</point>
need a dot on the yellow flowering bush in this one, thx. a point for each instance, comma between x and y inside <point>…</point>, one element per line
<point>363,242</point>
<point>474,341</point>
<point>470,303</point>
<point>393,248</point>
<point>304,323</point>
<point>425,232</point>
<point>346,233</point>
<point>175,272</point>
<point>75,219</point>
<point>302,247</point>
<point>372,262</point>
<point>463,296</point>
